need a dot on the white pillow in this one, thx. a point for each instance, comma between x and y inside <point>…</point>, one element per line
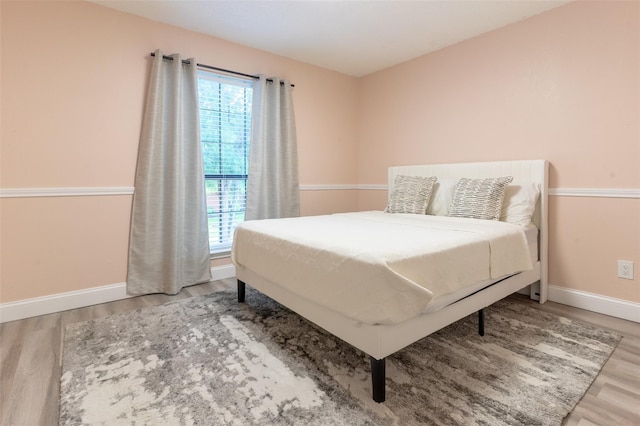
<point>441,197</point>
<point>519,203</point>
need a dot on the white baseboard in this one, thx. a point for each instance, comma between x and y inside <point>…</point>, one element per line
<point>223,272</point>
<point>78,299</point>
<point>618,308</point>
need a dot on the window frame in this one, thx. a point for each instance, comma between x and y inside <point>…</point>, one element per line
<point>224,250</point>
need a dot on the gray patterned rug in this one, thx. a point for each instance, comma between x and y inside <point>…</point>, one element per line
<point>212,361</point>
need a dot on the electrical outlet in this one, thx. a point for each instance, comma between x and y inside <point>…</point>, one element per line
<point>625,269</point>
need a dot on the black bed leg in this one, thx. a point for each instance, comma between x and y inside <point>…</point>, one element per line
<point>378,376</point>
<point>481,322</point>
<point>241,286</point>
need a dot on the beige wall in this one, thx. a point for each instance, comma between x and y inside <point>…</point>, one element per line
<point>73,85</point>
<point>562,86</point>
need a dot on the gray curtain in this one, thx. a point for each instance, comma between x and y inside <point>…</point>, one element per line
<point>272,185</point>
<point>169,241</point>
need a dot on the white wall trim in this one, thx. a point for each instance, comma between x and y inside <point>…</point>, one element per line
<point>562,192</point>
<point>126,190</point>
<point>596,303</point>
<point>64,192</point>
<point>343,187</point>
<point>596,192</point>
<point>27,308</point>
<point>373,186</point>
<point>223,272</point>
<point>61,302</point>
<point>329,187</point>
<point>77,299</point>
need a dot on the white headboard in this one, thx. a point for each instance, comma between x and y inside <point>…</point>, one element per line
<point>523,171</point>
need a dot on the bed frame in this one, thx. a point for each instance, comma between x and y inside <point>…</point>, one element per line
<point>380,341</point>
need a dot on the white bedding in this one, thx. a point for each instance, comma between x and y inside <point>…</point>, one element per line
<point>375,267</point>
<point>439,302</point>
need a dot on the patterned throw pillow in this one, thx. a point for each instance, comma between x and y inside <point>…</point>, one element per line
<point>410,194</point>
<point>479,198</point>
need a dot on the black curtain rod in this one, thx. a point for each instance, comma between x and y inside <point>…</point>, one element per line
<point>209,67</point>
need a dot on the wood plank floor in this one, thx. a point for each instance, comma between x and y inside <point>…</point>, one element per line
<point>31,354</point>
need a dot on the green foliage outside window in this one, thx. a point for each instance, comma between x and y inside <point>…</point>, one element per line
<point>225,126</point>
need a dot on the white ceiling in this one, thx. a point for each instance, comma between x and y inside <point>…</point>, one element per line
<point>354,37</point>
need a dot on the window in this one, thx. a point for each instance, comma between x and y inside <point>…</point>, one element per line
<point>225,126</point>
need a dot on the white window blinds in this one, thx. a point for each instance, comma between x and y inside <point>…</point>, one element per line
<point>225,125</point>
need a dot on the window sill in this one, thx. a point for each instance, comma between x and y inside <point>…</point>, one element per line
<point>220,255</point>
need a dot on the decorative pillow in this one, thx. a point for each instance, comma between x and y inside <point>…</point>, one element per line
<point>441,197</point>
<point>479,198</point>
<point>520,203</point>
<point>410,194</point>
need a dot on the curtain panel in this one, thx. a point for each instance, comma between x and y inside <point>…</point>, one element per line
<point>169,242</point>
<point>273,184</point>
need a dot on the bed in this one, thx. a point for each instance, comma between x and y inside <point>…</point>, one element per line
<point>381,281</point>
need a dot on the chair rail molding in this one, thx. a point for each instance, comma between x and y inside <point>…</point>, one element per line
<point>596,192</point>
<point>65,192</point>
<point>128,190</point>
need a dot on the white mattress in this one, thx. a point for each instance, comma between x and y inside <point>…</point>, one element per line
<point>439,302</point>
<point>379,268</point>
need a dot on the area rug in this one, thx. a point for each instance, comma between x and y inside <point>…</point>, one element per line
<point>212,361</point>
